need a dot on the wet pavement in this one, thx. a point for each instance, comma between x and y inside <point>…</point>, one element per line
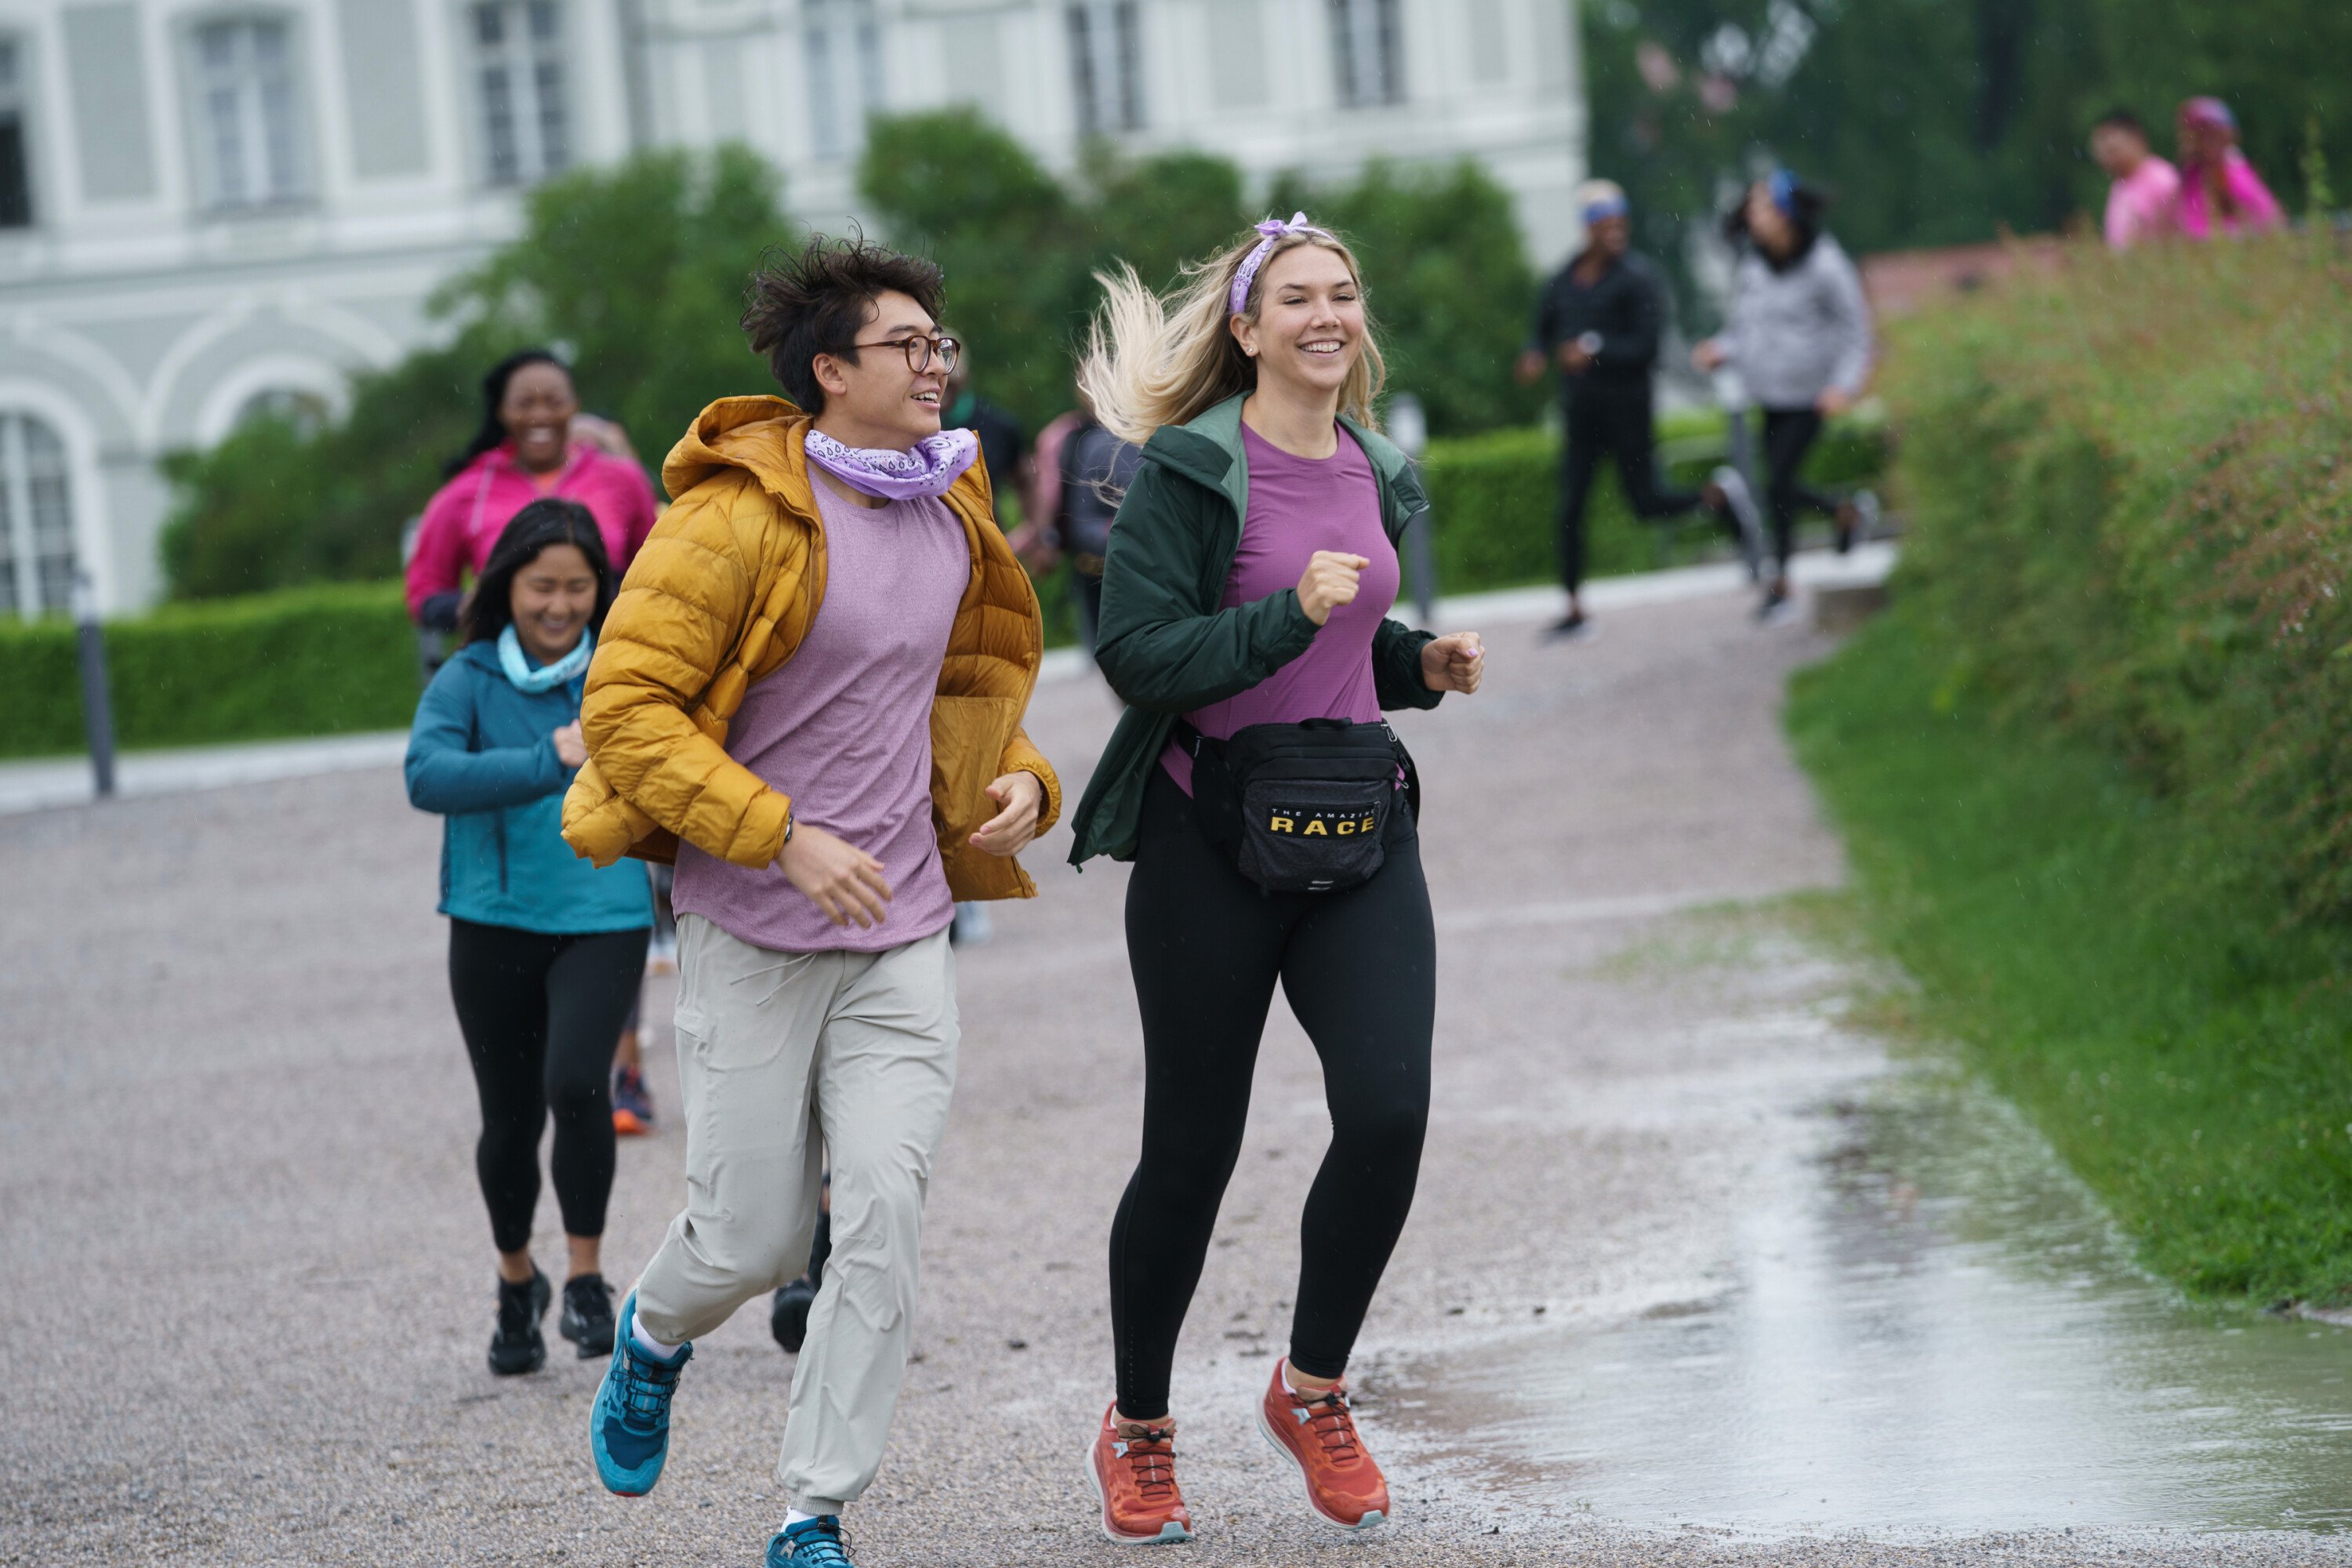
<point>1925,1327</point>
<point>1696,1274</point>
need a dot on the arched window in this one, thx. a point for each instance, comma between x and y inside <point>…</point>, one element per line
<point>36,532</point>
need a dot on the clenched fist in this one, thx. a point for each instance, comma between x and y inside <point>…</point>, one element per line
<point>1330,582</point>
<point>1454,663</point>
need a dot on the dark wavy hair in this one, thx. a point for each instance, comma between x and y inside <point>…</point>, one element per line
<point>493,431</point>
<point>540,525</point>
<point>1804,206</point>
<point>814,301</point>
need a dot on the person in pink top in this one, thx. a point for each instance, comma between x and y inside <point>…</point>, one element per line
<point>2144,200</point>
<point>2220,194</point>
<point>526,447</point>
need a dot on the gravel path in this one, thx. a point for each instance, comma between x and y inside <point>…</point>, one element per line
<point>251,1278</point>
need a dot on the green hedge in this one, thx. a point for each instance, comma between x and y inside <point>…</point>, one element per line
<point>2131,515</point>
<point>2094,769</point>
<point>1495,498</point>
<point>332,658</point>
<point>308,661</point>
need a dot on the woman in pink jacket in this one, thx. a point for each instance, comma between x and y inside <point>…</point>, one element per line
<point>525,449</point>
<point>2219,191</point>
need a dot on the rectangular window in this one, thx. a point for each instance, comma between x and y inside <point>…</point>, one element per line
<point>1105,66</point>
<point>246,110</point>
<point>525,111</point>
<point>15,168</point>
<point>1367,47</point>
<point>845,71</point>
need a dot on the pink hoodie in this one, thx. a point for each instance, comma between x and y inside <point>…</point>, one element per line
<point>2258,210</point>
<point>466,516</point>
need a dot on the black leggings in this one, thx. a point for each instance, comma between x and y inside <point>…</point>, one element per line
<point>540,1015</point>
<point>1617,424</point>
<point>1789,435</point>
<point>1360,971</point>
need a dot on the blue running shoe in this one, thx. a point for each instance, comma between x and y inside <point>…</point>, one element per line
<point>628,1428</point>
<point>819,1543</point>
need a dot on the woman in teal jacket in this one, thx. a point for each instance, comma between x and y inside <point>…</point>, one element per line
<point>546,951</point>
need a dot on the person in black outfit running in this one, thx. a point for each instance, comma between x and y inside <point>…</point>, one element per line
<point>1600,321</point>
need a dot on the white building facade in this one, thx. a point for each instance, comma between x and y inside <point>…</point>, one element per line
<point>209,207</point>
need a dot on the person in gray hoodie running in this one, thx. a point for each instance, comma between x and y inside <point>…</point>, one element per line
<point>1799,336</point>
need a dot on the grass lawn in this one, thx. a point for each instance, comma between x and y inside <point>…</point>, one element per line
<point>2091,953</point>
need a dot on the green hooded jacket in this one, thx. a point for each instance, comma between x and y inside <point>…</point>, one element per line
<point>1165,645</point>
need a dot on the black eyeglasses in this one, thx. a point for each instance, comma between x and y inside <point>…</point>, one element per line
<point>919,351</point>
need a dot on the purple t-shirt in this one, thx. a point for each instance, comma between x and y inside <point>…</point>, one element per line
<point>845,729</point>
<point>1296,506</point>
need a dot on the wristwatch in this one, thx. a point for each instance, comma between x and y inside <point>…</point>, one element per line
<point>1588,341</point>
<point>788,825</point>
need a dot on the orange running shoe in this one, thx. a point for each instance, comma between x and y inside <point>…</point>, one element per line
<point>1135,1478</point>
<point>1319,1435</point>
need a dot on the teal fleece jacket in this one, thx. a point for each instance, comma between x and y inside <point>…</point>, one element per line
<point>481,755</point>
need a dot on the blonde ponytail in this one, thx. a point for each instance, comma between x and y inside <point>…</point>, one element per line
<point>1151,360</point>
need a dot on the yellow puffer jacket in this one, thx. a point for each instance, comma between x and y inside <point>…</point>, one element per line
<point>719,597</point>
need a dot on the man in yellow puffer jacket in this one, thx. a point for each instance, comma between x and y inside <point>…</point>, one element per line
<point>810,692</point>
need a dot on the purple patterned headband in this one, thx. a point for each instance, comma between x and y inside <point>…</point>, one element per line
<point>1273,232</point>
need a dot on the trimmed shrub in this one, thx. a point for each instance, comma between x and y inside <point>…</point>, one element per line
<point>309,661</point>
<point>1496,500</point>
<point>2130,515</point>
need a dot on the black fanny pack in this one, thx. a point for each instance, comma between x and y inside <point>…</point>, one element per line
<point>1302,808</point>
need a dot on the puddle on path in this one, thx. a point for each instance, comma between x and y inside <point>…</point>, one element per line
<point>1928,1325</point>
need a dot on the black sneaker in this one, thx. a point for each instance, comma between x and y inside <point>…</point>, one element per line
<point>788,1318</point>
<point>1570,628</point>
<point>516,1347</point>
<point>587,1319</point>
<point>1778,607</point>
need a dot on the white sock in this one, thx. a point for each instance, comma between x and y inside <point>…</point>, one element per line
<point>794,1516</point>
<point>1292,1387</point>
<point>647,1341</point>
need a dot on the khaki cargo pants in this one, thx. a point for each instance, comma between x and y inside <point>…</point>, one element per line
<point>781,1058</point>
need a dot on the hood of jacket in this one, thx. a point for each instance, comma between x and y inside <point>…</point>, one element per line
<point>761,435</point>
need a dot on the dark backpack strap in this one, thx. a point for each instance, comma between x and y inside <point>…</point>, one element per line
<point>1193,743</point>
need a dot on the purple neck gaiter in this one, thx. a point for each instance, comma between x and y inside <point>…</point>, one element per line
<point>935,463</point>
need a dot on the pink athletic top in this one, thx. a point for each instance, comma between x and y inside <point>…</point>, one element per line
<point>2258,210</point>
<point>845,729</point>
<point>2144,203</point>
<point>466,516</point>
<point>1296,506</point>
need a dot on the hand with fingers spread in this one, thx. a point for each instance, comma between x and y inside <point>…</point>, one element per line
<point>1021,799</point>
<point>1453,663</point>
<point>1330,582</point>
<point>838,876</point>
<point>571,748</point>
